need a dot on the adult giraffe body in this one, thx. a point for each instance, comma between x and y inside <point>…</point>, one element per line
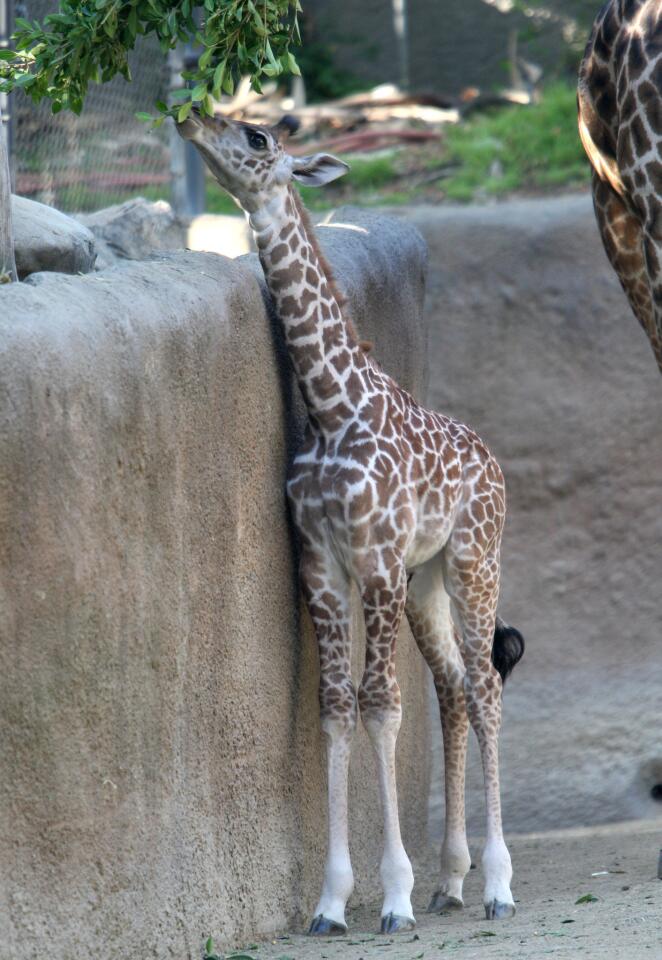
<point>620,124</point>
<point>382,492</point>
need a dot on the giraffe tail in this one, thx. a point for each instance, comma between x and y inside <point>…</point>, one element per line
<point>507,648</point>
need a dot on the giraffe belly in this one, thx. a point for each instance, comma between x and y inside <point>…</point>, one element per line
<point>428,541</point>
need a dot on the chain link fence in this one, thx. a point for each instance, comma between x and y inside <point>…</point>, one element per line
<point>106,155</point>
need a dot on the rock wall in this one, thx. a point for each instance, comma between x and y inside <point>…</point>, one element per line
<point>532,343</point>
<point>162,778</point>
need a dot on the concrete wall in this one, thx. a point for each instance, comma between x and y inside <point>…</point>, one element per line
<point>161,776</point>
<point>532,343</point>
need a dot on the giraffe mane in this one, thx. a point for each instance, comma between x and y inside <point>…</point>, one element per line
<point>325,266</point>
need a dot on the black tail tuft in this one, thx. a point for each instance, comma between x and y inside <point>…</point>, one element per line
<point>507,648</point>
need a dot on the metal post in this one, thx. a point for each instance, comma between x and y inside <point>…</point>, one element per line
<point>402,40</point>
<point>187,171</point>
<point>7,260</point>
<point>6,100</point>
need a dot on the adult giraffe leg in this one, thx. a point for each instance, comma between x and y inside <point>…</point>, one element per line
<point>636,255</point>
<point>473,584</point>
<point>429,615</point>
<point>327,591</point>
<point>381,712</point>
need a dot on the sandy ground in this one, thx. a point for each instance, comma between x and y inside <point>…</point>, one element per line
<point>552,871</point>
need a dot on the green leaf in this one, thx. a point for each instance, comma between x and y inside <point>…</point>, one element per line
<point>270,54</point>
<point>294,66</point>
<point>219,76</point>
<point>132,22</point>
<point>228,84</point>
<point>205,59</point>
<point>184,111</point>
<point>144,117</point>
<point>7,55</point>
<point>587,898</point>
<point>199,92</point>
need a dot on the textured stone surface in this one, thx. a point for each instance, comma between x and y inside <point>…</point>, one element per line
<point>533,344</point>
<point>161,777</point>
<point>133,230</point>
<point>45,239</point>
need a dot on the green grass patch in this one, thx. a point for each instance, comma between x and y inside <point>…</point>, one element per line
<point>517,148</point>
<point>218,201</point>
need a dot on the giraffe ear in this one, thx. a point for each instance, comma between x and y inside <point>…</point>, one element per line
<point>318,169</point>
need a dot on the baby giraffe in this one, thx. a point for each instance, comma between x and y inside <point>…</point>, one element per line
<point>408,504</point>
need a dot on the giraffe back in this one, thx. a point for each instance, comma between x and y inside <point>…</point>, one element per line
<point>620,102</point>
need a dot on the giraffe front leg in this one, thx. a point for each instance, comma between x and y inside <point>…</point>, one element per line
<point>329,916</point>
<point>327,592</point>
<point>381,712</point>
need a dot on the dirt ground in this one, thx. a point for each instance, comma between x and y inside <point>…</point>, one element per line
<point>616,864</point>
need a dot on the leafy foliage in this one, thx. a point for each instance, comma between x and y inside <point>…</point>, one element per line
<point>88,41</point>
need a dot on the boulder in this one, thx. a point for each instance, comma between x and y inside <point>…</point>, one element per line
<point>46,239</point>
<point>135,229</point>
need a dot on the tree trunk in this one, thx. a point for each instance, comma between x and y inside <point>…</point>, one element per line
<point>7,262</point>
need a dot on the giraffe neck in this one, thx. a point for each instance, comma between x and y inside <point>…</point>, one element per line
<point>323,346</point>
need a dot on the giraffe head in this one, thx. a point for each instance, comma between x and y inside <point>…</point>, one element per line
<point>249,161</point>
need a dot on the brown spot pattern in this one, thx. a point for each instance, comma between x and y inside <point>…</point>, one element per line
<point>620,107</point>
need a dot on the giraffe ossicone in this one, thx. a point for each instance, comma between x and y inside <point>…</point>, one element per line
<point>407,503</point>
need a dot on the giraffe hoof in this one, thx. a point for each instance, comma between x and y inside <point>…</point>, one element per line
<point>392,923</point>
<point>442,903</point>
<point>322,927</point>
<point>496,910</point>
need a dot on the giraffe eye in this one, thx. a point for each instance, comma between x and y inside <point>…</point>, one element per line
<point>256,140</point>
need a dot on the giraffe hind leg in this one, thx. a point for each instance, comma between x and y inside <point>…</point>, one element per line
<point>472,581</point>
<point>428,612</point>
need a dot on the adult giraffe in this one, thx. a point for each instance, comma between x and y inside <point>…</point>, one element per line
<point>620,125</point>
<point>407,503</point>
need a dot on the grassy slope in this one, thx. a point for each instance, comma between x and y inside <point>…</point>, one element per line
<point>527,147</point>
<point>503,151</point>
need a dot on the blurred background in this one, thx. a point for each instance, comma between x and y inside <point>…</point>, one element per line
<point>433,100</point>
